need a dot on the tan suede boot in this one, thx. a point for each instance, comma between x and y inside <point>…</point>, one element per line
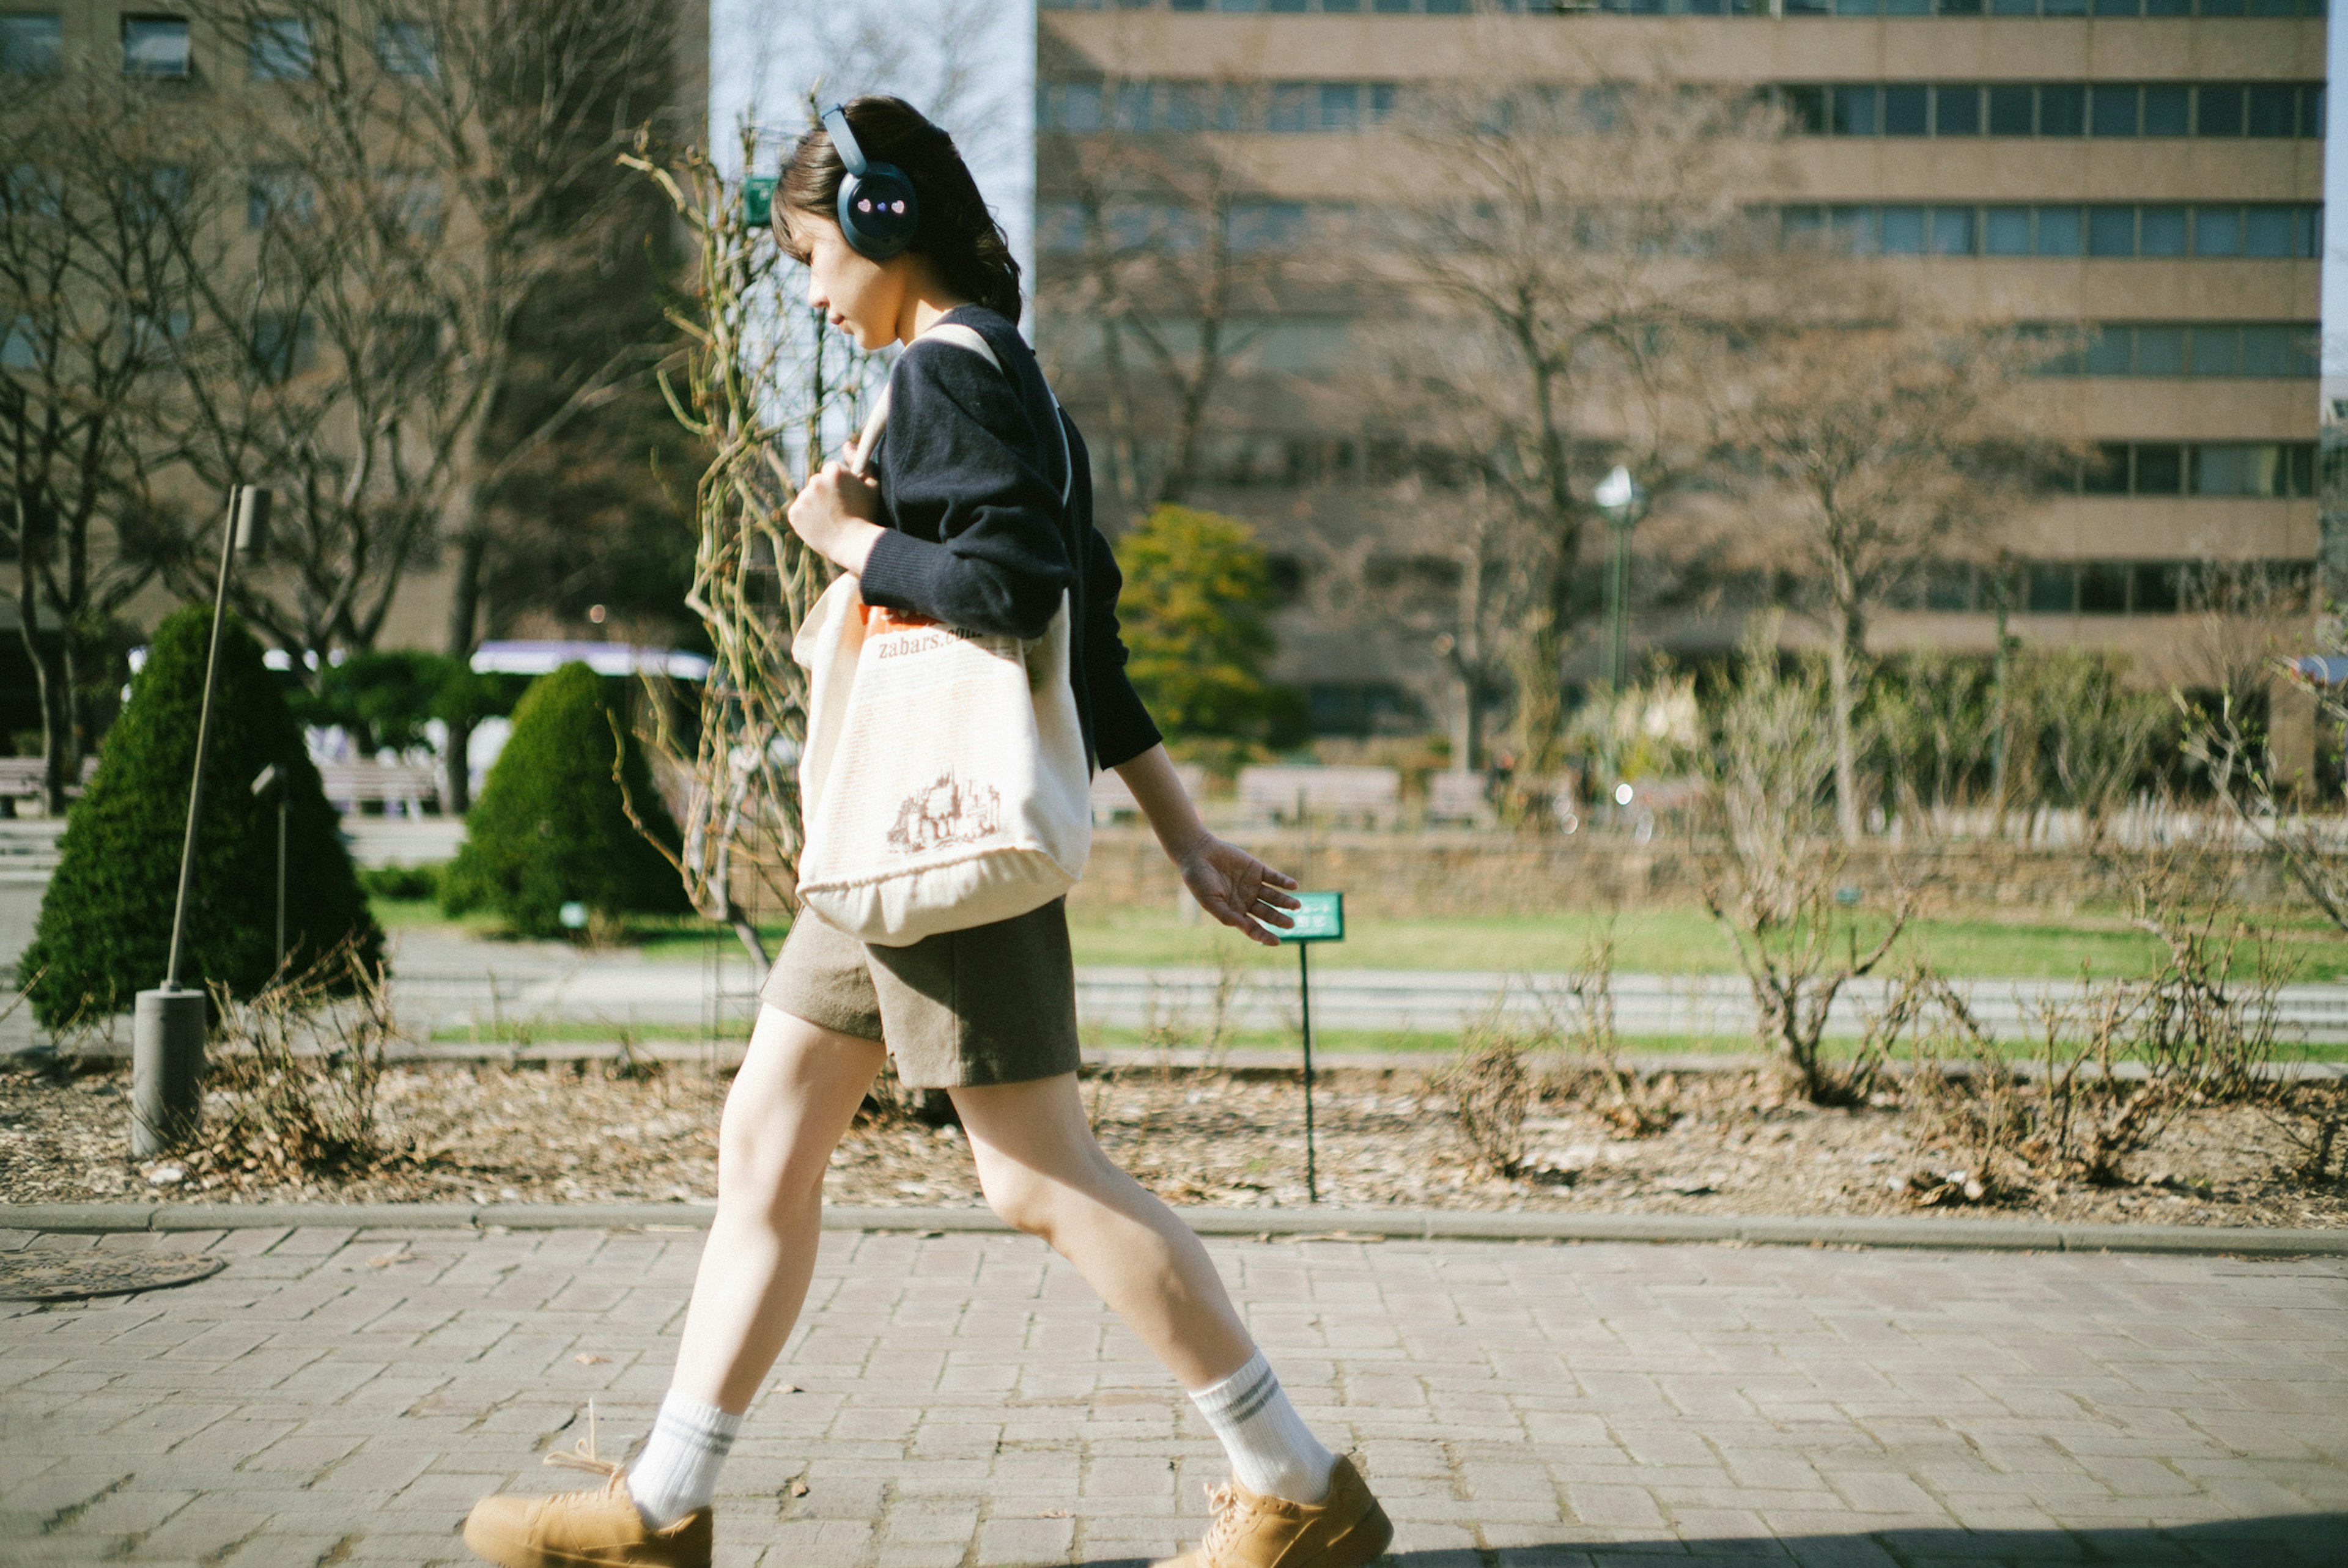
<point>600,1529</point>
<point>1345,1529</point>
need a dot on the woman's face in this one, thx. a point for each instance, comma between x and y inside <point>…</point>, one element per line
<point>861,296</point>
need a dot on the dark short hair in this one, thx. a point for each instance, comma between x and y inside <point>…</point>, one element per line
<point>957,232</point>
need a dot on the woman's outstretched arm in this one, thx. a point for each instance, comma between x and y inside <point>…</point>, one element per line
<point>1229,883</point>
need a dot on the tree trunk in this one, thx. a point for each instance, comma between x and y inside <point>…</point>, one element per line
<point>1844,654</point>
<point>49,679</point>
<point>464,617</point>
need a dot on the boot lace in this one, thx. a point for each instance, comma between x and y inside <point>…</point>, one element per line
<point>1231,1514</point>
<point>582,1455</point>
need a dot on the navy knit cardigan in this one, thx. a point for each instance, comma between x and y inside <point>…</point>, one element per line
<point>970,484</point>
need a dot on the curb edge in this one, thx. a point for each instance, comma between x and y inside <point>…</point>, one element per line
<point>1954,1234</point>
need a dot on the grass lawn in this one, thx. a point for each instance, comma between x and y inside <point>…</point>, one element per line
<point>1670,941</point>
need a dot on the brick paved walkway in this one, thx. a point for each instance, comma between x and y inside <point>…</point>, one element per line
<point>339,1398</point>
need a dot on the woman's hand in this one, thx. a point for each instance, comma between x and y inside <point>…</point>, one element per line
<point>1237,888</point>
<point>834,513</point>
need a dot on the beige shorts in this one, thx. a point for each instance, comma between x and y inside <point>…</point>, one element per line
<point>995,1004</point>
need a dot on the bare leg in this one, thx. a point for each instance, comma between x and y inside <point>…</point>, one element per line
<point>1042,1171</point>
<point>797,1090</point>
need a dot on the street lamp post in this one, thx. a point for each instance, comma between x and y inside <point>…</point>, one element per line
<point>270,778</point>
<point>1624,501</point>
<point>167,1028</point>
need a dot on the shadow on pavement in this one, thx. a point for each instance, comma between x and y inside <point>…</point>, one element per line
<point>2285,1540</point>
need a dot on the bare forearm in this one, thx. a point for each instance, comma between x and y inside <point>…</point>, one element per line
<point>1157,789</point>
<point>1229,883</point>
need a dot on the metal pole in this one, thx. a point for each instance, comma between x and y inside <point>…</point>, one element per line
<point>281,882</point>
<point>167,1028</point>
<point>1998,672</point>
<point>203,740</point>
<point>1305,996</point>
<point>1618,590</point>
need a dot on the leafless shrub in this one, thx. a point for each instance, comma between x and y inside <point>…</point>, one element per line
<point>1582,1017</point>
<point>290,1091</point>
<point>633,1064</point>
<point>1491,1089</point>
<point>2119,1062</point>
<point>1979,1115</point>
<point>2313,1120</point>
<point>1774,758</point>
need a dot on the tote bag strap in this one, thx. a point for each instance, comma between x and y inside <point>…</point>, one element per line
<point>969,339</point>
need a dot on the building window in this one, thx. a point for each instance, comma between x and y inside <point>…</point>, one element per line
<point>156,192</point>
<point>284,344</point>
<point>279,195</point>
<point>278,49</point>
<point>416,200</point>
<point>407,48</point>
<point>2269,230</point>
<point>1957,111</point>
<point>2051,587</point>
<point>1292,107</point>
<point>22,345</point>
<point>2104,587</point>
<point>2265,470</point>
<point>2105,109</point>
<point>1267,225</point>
<point>155,46</point>
<point>32,43</point>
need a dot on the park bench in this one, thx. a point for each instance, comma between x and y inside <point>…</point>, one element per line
<point>406,784</point>
<point>20,777</point>
<point>1458,797</point>
<point>1370,795</point>
<point>1112,800</point>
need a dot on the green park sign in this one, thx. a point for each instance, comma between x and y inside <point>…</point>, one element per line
<point>1320,918</point>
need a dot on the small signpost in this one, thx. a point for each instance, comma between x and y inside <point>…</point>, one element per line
<point>1320,918</point>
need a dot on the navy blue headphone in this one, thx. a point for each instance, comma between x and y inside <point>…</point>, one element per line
<point>878,209</point>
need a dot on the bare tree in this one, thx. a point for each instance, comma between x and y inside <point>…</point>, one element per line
<point>1567,268</point>
<point>1176,255</point>
<point>90,299</point>
<point>1883,441</point>
<point>760,399</point>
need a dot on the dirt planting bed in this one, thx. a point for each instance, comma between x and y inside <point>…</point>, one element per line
<point>1388,1136</point>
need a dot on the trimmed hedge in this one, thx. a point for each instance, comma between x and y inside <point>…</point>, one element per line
<point>550,828</point>
<point>105,931</point>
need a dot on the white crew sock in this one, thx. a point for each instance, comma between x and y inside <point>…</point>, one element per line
<point>677,1472</point>
<point>1274,1453</point>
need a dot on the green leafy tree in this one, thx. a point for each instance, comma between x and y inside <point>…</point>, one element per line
<point>1197,593</point>
<point>554,825</point>
<point>386,699</point>
<point>105,931</point>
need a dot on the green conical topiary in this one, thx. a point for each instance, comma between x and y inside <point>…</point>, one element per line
<point>550,828</point>
<point>105,932</point>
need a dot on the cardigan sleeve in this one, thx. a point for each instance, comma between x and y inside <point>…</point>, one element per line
<point>1122,728</point>
<point>977,541</point>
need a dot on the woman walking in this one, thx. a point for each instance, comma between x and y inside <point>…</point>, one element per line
<point>964,524</point>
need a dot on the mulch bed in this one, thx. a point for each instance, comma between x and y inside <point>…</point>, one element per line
<point>492,1133</point>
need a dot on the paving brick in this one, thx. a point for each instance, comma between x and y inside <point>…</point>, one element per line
<point>972,1404</point>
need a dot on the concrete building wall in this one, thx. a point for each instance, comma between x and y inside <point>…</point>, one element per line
<point>2280,55</point>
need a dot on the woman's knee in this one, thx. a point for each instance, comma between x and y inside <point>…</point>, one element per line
<point>1021,1198</point>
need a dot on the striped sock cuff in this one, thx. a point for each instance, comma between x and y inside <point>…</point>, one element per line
<point>1240,1395</point>
<point>700,1426</point>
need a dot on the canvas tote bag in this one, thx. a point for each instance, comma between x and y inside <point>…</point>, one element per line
<point>945,782</point>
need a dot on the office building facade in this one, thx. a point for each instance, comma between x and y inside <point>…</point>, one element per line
<point>2147,172</point>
